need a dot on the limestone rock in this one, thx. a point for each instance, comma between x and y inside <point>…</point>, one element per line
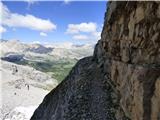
<point>155,101</point>
<point>134,56</point>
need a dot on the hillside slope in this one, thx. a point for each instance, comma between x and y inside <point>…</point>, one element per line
<point>122,79</point>
<point>22,86</point>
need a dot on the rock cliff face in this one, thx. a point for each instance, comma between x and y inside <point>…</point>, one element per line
<point>122,79</point>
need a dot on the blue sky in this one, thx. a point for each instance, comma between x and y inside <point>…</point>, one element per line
<point>53,21</point>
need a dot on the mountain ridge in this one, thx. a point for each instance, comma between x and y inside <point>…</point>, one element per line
<point>125,60</point>
<point>58,50</point>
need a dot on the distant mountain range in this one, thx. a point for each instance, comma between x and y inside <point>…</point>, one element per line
<point>12,49</point>
<point>55,59</point>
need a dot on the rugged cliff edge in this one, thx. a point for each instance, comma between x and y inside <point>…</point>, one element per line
<point>122,79</point>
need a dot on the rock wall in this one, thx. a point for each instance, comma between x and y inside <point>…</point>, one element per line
<point>122,79</point>
<point>131,42</point>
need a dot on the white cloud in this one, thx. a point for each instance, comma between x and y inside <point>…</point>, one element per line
<point>36,42</point>
<point>84,31</point>
<point>30,2</point>
<point>26,21</point>
<point>80,37</point>
<point>97,35</point>
<point>2,29</point>
<point>43,34</point>
<point>82,27</point>
<point>66,2</point>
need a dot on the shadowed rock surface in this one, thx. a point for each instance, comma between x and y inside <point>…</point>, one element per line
<point>122,79</point>
<point>80,96</point>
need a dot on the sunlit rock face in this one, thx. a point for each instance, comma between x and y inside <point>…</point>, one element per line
<point>121,80</point>
<point>131,42</point>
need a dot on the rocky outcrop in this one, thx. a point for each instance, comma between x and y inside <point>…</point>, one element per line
<point>80,96</point>
<point>122,79</point>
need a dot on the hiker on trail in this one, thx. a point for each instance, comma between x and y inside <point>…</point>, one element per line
<point>15,70</point>
<point>28,86</point>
